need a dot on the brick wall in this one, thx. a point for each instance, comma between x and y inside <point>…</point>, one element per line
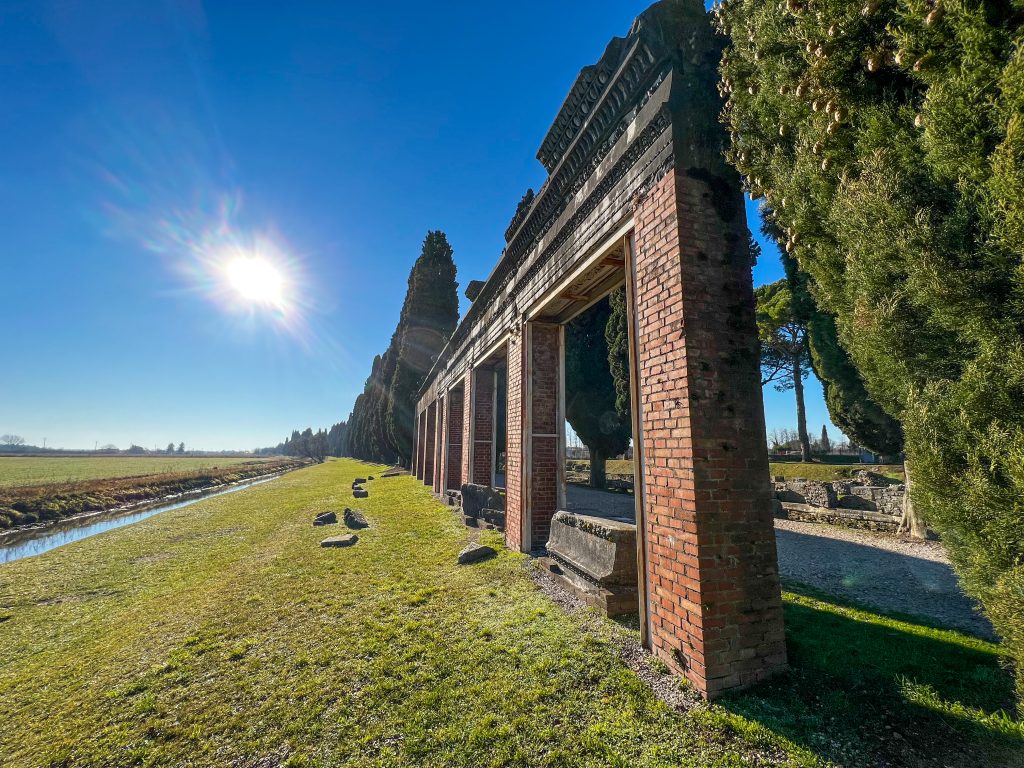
<point>428,447</point>
<point>454,430</point>
<point>514,476</point>
<point>545,353</point>
<point>483,425</point>
<point>715,606</point>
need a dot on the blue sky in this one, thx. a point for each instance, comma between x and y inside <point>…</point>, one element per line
<point>142,139</point>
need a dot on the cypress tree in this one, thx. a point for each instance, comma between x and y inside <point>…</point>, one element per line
<point>429,316</point>
<point>590,391</point>
<point>617,338</point>
<point>887,142</point>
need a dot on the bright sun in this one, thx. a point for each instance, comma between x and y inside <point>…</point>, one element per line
<point>256,280</point>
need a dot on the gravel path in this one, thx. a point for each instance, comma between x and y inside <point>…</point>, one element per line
<point>884,571</point>
<point>880,570</point>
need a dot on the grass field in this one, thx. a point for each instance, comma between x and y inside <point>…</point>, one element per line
<point>22,505</point>
<point>43,470</point>
<point>220,634</point>
<point>810,470</point>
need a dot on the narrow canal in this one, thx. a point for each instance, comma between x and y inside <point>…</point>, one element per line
<point>16,545</point>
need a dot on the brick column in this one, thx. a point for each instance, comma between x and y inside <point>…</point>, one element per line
<point>466,468</point>
<point>428,445</point>
<point>440,454</point>
<point>483,426</point>
<point>453,460</point>
<point>532,473</point>
<point>544,361</point>
<point>515,478</point>
<point>712,579</point>
<point>421,439</point>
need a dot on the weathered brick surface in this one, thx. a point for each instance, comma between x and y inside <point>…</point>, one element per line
<point>715,605</point>
<point>421,441</point>
<point>483,426</point>
<point>453,461</point>
<point>428,449</point>
<point>545,365</point>
<point>440,455</point>
<point>466,475</point>
<point>514,475</point>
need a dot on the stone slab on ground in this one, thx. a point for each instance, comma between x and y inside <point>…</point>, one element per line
<point>354,518</point>
<point>358,481</point>
<point>474,553</point>
<point>345,540</point>
<point>360,493</point>
<point>325,518</point>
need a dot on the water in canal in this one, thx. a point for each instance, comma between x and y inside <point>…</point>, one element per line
<point>35,541</point>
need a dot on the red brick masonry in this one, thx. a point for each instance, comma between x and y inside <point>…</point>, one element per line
<point>715,605</point>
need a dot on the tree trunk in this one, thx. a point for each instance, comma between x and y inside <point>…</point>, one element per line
<point>912,523</point>
<point>801,413</point>
<point>597,469</point>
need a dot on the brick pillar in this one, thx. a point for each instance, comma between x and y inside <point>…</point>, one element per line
<point>544,361</point>
<point>515,479</point>
<point>439,452</point>
<point>712,579</point>
<point>466,468</point>
<point>453,461</point>
<point>421,440</point>
<point>483,426</point>
<point>533,474</point>
<point>428,445</point>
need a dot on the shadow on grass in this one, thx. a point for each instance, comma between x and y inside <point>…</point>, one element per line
<point>868,689</point>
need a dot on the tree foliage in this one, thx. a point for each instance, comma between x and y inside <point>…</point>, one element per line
<point>380,427</point>
<point>590,391</point>
<point>429,316</point>
<point>617,338</point>
<point>887,142</point>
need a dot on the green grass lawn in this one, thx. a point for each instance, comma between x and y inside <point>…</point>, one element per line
<point>43,470</point>
<point>816,471</point>
<point>220,634</point>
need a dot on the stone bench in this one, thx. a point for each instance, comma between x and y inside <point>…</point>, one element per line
<point>595,557</point>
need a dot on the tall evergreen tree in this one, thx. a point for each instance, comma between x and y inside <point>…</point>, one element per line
<point>590,391</point>
<point>429,316</point>
<point>617,338</point>
<point>887,141</point>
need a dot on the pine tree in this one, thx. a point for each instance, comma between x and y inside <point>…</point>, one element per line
<point>590,391</point>
<point>785,354</point>
<point>429,316</point>
<point>887,143</point>
<point>825,443</point>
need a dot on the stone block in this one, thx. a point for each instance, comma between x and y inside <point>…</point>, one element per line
<point>345,540</point>
<point>479,497</point>
<point>474,553</point>
<point>325,518</point>
<point>599,550</point>
<point>355,519</point>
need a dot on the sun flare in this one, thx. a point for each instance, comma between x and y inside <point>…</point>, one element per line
<point>255,280</point>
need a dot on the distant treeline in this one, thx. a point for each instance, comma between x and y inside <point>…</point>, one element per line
<point>311,445</point>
